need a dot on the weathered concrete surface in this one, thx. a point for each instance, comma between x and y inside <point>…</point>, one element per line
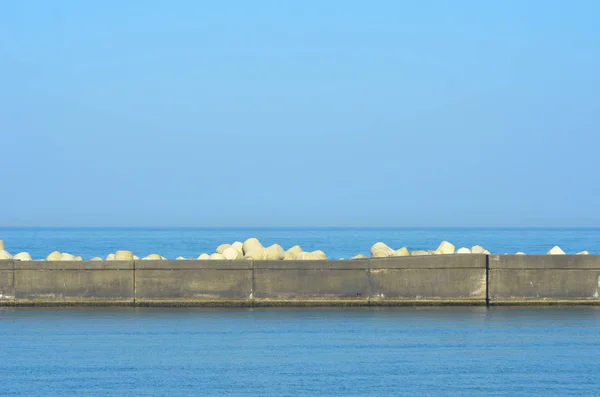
<point>428,280</point>
<point>7,289</point>
<point>422,280</point>
<point>193,282</point>
<point>69,282</point>
<point>311,282</point>
<point>544,279</point>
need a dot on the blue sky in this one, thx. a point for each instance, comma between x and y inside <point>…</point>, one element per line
<point>311,113</point>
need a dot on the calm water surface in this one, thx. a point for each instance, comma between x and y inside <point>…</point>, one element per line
<point>336,242</point>
<point>316,352</point>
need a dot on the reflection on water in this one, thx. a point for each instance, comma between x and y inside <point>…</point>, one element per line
<point>313,351</point>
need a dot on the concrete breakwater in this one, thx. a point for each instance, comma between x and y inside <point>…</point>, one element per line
<point>459,279</point>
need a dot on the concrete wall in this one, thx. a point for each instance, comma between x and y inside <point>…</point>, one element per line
<point>311,282</point>
<point>429,280</point>
<point>544,279</point>
<point>7,284</point>
<point>437,279</point>
<point>58,282</point>
<point>183,282</point>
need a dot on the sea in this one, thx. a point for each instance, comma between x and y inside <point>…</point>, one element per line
<point>410,351</point>
<point>336,242</point>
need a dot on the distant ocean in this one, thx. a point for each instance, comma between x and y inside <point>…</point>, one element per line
<point>336,242</point>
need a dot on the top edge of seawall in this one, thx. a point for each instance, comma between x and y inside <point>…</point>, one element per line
<point>544,262</point>
<point>541,261</point>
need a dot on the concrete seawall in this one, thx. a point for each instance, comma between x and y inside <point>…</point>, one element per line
<point>469,279</point>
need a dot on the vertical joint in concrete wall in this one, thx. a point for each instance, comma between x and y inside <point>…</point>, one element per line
<point>487,280</point>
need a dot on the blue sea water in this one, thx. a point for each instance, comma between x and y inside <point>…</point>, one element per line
<point>449,352</point>
<point>336,242</point>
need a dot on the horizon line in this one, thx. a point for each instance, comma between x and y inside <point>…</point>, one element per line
<point>300,227</point>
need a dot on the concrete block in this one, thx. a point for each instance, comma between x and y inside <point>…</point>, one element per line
<point>433,279</point>
<point>456,261</point>
<point>478,249</point>
<point>124,255</point>
<point>401,252</point>
<point>556,250</point>
<point>294,251</point>
<point>221,248</point>
<point>251,244</point>
<point>192,282</point>
<point>231,253</point>
<point>7,290</point>
<point>445,248</point>
<point>421,253</point>
<point>22,256</point>
<point>71,282</point>
<point>238,246</point>
<point>311,282</point>
<point>381,250</point>
<point>544,279</point>
<point>54,256</point>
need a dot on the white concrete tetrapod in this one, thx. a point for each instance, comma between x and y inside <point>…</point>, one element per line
<point>232,254</point>
<point>359,256</point>
<point>463,250</point>
<point>556,250</point>
<point>478,249</point>
<point>238,246</point>
<point>520,253</point>
<point>96,258</point>
<point>289,256</point>
<point>53,256</point>
<point>582,253</point>
<point>79,258</point>
<point>446,248</point>
<point>4,255</point>
<point>203,257</point>
<point>216,257</point>
<point>294,251</point>
<point>110,257</point>
<point>153,257</point>
<point>136,258</point>
<point>304,256</point>
<point>256,254</point>
<point>252,244</point>
<point>381,250</point>
<point>180,258</point>
<point>67,257</point>
<point>320,255</point>
<point>274,252</point>
<point>401,252</point>
<point>22,256</point>
<point>124,256</point>
<point>222,248</point>
<point>2,245</point>
<point>421,253</point>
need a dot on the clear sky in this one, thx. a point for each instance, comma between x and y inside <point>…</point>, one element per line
<point>304,113</point>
